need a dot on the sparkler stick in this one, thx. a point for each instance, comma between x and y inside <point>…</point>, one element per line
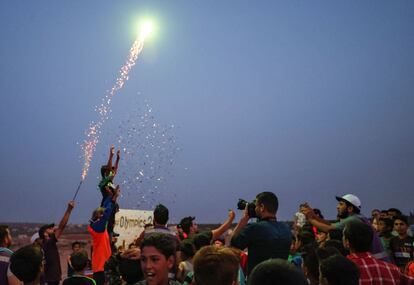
<point>77,190</point>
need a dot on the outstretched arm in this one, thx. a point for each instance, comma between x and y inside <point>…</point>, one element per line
<point>242,223</point>
<point>224,226</point>
<point>118,157</point>
<point>64,220</point>
<point>316,221</point>
<point>111,155</point>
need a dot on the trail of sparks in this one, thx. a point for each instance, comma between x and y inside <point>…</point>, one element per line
<point>93,132</point>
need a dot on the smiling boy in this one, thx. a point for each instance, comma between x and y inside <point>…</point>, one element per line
<point>157,258</point>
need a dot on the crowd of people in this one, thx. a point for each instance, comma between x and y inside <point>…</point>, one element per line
<point>353,249</point>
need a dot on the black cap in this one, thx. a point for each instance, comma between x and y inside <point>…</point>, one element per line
<point>44,228</point>
<point>186,223</point>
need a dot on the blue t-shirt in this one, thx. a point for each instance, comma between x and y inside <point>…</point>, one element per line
<point>264,239</point>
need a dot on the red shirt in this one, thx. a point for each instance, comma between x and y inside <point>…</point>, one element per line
<point>374,271</point>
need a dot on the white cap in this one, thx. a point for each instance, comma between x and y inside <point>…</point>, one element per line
<point>34,237</point>
<point>350,198</point>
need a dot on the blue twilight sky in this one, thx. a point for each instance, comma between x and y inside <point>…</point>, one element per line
<point>309,99</point>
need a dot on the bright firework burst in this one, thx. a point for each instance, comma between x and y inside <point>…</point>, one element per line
<point>93,132</point>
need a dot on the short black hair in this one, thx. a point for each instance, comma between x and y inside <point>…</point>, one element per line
<point>187,248</point>
<point>269,201</point>
<point>130,270</point>
<point>202,239</point>
<point>276,271</point>
<point>161,214</point>
<point>4,232</point>
<point>397,211</point>
<point>359,236</point>
<point>306,238</point>
<point>26,263</point>
<point>335,234</point>
<point>339,270</point>
<point>76,243</point>
<point>401,218</point>
<point>339,245</point>
<point>105,170</point>
<point>311,261</point>
<point>318,213</point>
<point>162,242</point>
<point>327,251</point>
<point>79,260</point>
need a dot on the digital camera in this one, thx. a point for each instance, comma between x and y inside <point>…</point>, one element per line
<point>241,205</point>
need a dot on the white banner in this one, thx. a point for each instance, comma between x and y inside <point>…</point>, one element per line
<point>129,224</point>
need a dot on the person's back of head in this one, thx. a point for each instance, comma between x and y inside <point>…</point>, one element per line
<point>335,234</point>
<point>187,249</point>
<point>276,271</point>
<point>97,214</point>
<point>4,236</point>
<point>326,251</point>
<point>161,214</point>
<point>310,264</point>
<point>269,201</point>
<point>79,261</point>
<point>202,239</point>
<point>339,245</point>
<point>318,213</point>
<point>392,212</point>
<point>338,270</point>
<point>306,238</point>
<point>216,265</point>
<point>130,270</point>
<point>27,263</point>
<point>358,236</point>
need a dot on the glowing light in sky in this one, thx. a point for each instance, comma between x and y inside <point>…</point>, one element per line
<point>146,29</point>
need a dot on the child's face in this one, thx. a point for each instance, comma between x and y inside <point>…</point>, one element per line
<point>76,248</point>
<point>155,266</point>
<point>382,227</point>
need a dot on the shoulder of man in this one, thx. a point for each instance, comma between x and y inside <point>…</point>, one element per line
<point>53,237</point>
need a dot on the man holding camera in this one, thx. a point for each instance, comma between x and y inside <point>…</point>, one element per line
<point>266,238</point>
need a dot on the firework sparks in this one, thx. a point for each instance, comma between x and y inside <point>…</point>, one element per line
<point>93,132</point>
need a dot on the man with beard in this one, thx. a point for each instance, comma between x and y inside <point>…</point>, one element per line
<point>266,238</point>
<point>349,210</point>
<point>50,236</point>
